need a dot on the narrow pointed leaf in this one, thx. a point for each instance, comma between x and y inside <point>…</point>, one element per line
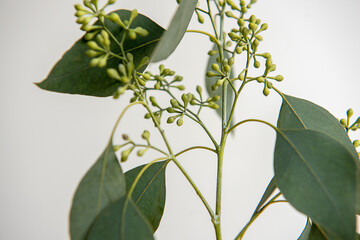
<point>209,81</point>
<point>176,30</point>
<point>72,73</point>
<point>115,224</point>
<point>269,190</point>
<point>306,232</point>
<point>317,175</point>
<point>297,113</point>
<point>102,185</point>
<point>149,194</point>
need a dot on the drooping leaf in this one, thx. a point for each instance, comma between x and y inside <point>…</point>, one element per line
<point>316,234</point>
<point>317,175</point>
<point>306,232</point>
<point>115,224</point>
<point>175,32</point>
<point>102,185</point>
<point>297,113</point>
<point>269,190</point>
<point>72,73</point>
<point>149,193</point>
<point>209,81</point>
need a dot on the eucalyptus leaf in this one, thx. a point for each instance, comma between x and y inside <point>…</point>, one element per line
<point>102,185</point>
<point>115,224</point>
<point>269,190</point>
<point>316,234</point>
<point>72,73</point>
<point>176,30</point>
<point>150,191</point>
<point>306,232</point>
<point>209,81</point>
<point>297,113</point>
<point>317,175</point>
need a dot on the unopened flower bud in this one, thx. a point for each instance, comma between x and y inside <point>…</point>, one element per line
<point>212,52</point>
<point>349,113</point>
<point>174,103</point>
<point>230,14</point>
<point>145,135</point>
<point>171,119</point>
<point>266,90</point>
<point>112,73</point>
<point>132,34</point>
<point>215,98</point>
<point>231,61</point>
<point>260,79</point>
<point>343,122</point>
<point>147,116</point>
<point>125,154</point>
<point>141,152</point>
<point>111,2</point>
<point>199,89</point>
<point>153,101</point>
<point>215,67</point>
<point>92,53</point>
<point>279,78</point>
<point>252,19</point>
<point>256,64</point>
<point>141,31</point>
<point>180,121</point>
<point>94,46</point>
<point>211,74</point>
<point>239,50</point>
<point>356,143</point>
<point>227,68</point>
<point>263,27</point>
<point>213,105</point>
<point>241,22</point>
<point>200,17</point>
<point>234,36</point>
<point>133,15</point>
<point>171,110</point>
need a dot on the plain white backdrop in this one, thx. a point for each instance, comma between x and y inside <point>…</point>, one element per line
<point>49,140</point>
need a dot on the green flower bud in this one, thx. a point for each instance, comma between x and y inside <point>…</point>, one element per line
<point>266,90</point>
<point>147,116</point>
<point>256,43</point>
<point>185,98</point>
<point>145,135</point>
<point>111,2</point>
<point>213,105</point>
<point>245,31</point>
<point>343,122</point>
<point>220,82</point>
<point>178,78</point>
<point>260,79</point>
<point>258,21</point>
<point>268,63</point>
<point>356,143</point>
<point>92,53</point>
<point>211,74</point>
<point>180,87</point>
<point>252,19</point>
<point>171,73</point>
<point>215,67</point>
<point>234,36</point>
<point>263,27</point>
<point>232,4</point>
<point>125,154</point>
<point>141,152</point>
<point>193,102</point>
<point>244,9</point>
<point>157,85</point>
<point>215,98</point>
<point>171,110</point>
<point>242,3</point>
<point>269,84</point>
<point>122,69</point>
<point>279,78</point>
<point>171,119</point>
<point>227,68</point>
<point>174,103</point>
<point>133,15</point>
<point>212,52</point>
<point>199,89</point>
<point>349,113</point>
<point>87,3</point>
<point>79,7</point>
<point>112,73</point>
<point>94,46</point>
<point>114,17</point>
<point>84,20</point>
<point>180,121</point>
<point>241,22</point>
<point>132,34</point>
<point>94,62</point>
<point>230,14</point>
<point>81,13</point>
<point>125,137</point>
<point>239,50</point>
<point>141,31</point>
<point>106,38</point>
<point>145,60</point>
<point>241,76</point>
<point>256,64</point>
<point>199,17</point>
<point>153,101</point>
<point>231,61</point>
<point>214,87</point>
<point>259,37</point>
<point>90,35</point>
<point>159,78</point>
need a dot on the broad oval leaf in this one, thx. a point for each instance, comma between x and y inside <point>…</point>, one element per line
<point>209,81</point>
<point>150,192</point>
<point>72,73</point>
<point>102,185</point>
<point>115,224</point>
<point>306,232</point>
<point>316,234</point>
<point>317,175</point>
<point>297,113</point>
<point>269,190</point>
<point>176,30</point>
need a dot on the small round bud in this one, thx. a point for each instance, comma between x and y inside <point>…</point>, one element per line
<point>212,52</point>
<point>260,79</point>
<point>178,78</point>
<point>174,103</point>
<point>133,14</point>
<point>245,32</point>
<point>211,74</point>
<point>231,61</point>
<point>132,34</point>
<point>215,98</point>
<point>180,87</point>
<point>356,143</point>
<point>200,17</point>
<point>171,110</point>
<point>227,68</point>
<point>141,152</point>
<point>180,121</point>
<point>153,101</point>
<point>157,85</point>
<point>253,26</point>
<point>171,119</point>
<point>343,122</point>
<point>111,2</point>
<point>220,82</point>
<point>112,73</point>
<point>241,76</point>
<point>213,105</point>
<point>258,21</point>
<point>125,137</point>
<point>349,113</point>
<point>230,14</point>
<point>145,135</point>
<point>256,64</point>
<point>256,43</point>
<point>266,91</point>
<point>147,116</point>
<point>252,19</point>
<point>233,36</point>
<point>279,78</point>
<point>263,27</point>
<point>215,67</point>
<point>239,50</point>
<point>92,53</point>
<point>259,37</point>
<point>141,31</point>
<point>214,87</point>
<point>266,55</point>
<point>79,7</point>
<point>94,46</point>
<point>125,154</point>
<point>241,22</point>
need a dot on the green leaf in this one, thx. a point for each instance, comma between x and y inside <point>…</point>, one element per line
<point>175,32</point>
<point>209,81</point>
<point>306,232</point>
<point>102,185</point>
<point>297,113</point>
<point>316,234</point>
<point>150,191</point>
<point>269,190</point>
<point>72,73</point>
<point>115,224</point>
<point>317,175</point>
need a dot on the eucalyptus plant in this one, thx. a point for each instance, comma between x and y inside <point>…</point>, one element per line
<point>316,164</point>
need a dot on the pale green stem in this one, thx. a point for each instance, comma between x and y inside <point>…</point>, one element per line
<point>195,147</point>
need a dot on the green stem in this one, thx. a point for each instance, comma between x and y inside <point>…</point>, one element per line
<point>254,217</point>
<point>195,147</point>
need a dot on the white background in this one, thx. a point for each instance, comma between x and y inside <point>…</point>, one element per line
<point>49,140</point>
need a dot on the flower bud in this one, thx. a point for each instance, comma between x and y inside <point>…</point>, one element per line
<point>239,50</point>
<point>133,15</point>
<point>174,103</point>
<point>112,73</point>
<point>349,113</point>
<point>157,85</point>
<point>180,121</point>
<point>153,101</point>
<point>199,89</point>
<point>242,3</point>
<point>233,36</point>
<point>279,78</point>
<point>94,46</point>
<point>252,19</point>
<point>180,87</point>
<point>263,27</point>
<point>147,116</point>
<point>343,122</point>
<point>79,7</point>
<point>125,154</point>
<point>256,64</point>
<point>141,31</point>
<point>111,2</point>
<point>215,98</point>
<point>241,76</point>
<point>213,105</point>
<point>92,53</point>
<point>212,52</point>
<point>260,79</point>
<point>215,67</point>
<point>141,152</point>
<point>114,17</point>
<point>145,135</point>
<point>200,17</point>
<point>356,143</point>
<point>266,90</point>
<point>227,68</point>
<point>132,34</point>
<point>231,61</point>
<point>211,74</point>
<point>171,119</point>
<point>230,14</point>
<point>171,110</point>
<point>241,22</point>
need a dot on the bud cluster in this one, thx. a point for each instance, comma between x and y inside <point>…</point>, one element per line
<point>126,153</point>
<point>346,122</point>
<point>100,54</point>
<point>160,80</point>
